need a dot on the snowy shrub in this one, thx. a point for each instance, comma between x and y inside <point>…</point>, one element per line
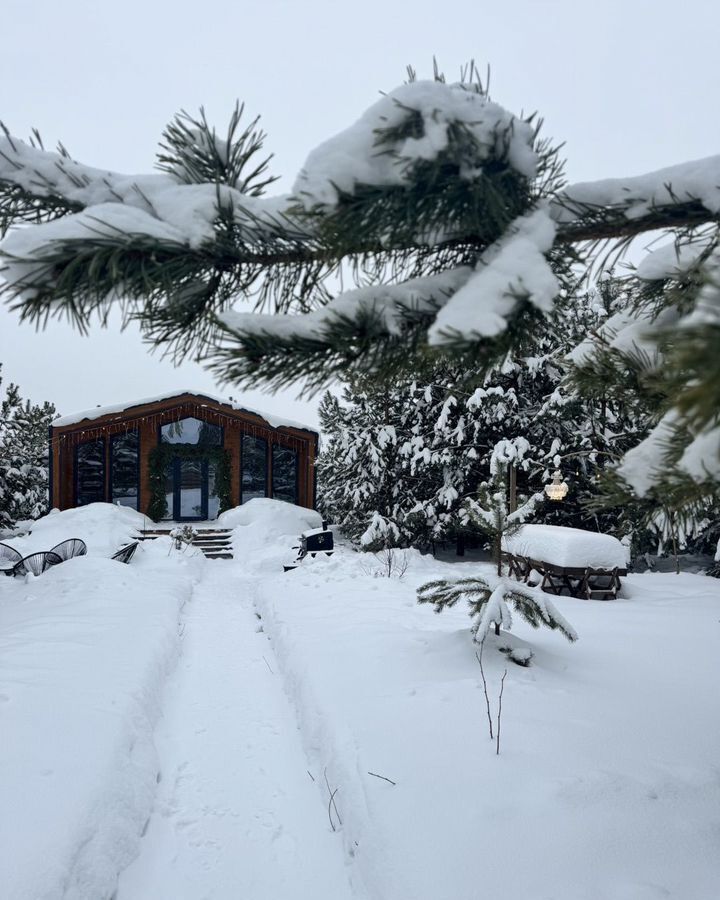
<point>389,563</point>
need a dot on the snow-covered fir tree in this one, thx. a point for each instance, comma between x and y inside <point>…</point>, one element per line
<point>669,498</point>
<point>364,484</point>
<point>439,448</point>
<point>494,513</point>
<point>23,457</point>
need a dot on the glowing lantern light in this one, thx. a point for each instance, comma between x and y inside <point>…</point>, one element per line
<point>557,489</point>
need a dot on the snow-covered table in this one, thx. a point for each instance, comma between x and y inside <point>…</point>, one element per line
<point>584,563</point>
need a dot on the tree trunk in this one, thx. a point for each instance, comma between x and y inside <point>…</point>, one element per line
<point>513,488</point>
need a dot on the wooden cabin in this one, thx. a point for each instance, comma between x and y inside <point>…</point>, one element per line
<point>180,457</point>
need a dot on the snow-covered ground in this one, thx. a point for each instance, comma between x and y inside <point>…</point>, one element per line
<point>173,729</point>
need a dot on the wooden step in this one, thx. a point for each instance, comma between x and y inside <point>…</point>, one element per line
<point>212,540</point>
<point>215,543</point>
<point>201,532</point>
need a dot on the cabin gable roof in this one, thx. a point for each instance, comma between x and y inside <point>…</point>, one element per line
<point>106,416</point>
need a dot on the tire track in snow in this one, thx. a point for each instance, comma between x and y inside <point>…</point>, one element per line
<point>236,815</point>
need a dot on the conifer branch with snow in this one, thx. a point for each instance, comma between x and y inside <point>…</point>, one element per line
<point>490,598</point>
<point>450,212</point>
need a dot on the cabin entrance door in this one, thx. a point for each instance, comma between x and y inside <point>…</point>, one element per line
<point>191,496</point>
<point>190,490</point>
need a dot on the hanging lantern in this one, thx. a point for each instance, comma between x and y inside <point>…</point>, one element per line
<point>557,489</point>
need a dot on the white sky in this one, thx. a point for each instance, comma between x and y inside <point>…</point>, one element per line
<point>628,86</point>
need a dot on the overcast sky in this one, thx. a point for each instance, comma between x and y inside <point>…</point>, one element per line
<point>628,86</point>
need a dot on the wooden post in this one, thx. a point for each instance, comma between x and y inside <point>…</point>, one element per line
<point>513,488</point>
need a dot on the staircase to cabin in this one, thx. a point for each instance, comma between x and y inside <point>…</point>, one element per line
<point>215,543</point>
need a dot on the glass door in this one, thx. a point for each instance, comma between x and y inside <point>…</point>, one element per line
<point>187,489</point>
<point>192,489</point>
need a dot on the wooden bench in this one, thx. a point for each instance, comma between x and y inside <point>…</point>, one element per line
<point>588,582</point>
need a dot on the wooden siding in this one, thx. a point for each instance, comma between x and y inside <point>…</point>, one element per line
<point>148,418</point>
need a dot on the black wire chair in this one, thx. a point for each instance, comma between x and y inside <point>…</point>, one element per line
<point>36,563</point>
<point>125,554</point>
<point>8,557</point>
<point>70,548</point>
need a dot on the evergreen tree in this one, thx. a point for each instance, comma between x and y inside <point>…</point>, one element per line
<point>490,509</point>
<point>364,485</point>
<point>444,433</point>
<point>451,214</point>
<point>23,457</point>
<point>667,495</point>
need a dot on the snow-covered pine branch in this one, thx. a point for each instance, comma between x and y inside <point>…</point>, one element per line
<point>433,181</point>
<point>490,599</point>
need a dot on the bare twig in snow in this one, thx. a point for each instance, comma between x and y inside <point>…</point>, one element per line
<point>331,803</point>
<point>268,665</point>
<point>502,687</point>
<point>375,775</point>
<point>332,796</point>
<point>487,699</point>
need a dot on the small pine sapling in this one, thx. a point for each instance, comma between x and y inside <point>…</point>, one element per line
<point>491,510</point>
<point>489,598</point>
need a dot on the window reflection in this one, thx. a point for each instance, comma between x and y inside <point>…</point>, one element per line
<point>284,474</point>
<point>124,470</point>
<point>254,468</point>
<point>90,472</point>
<point>192,431</point>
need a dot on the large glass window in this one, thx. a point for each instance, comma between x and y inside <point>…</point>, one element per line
<point>254,468</point>
<point>124,461</point>
<point>284,474</point>
<point>192,431</point>
<point>90,472</point>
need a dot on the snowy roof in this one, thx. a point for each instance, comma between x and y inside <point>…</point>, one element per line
<point>99,411</point>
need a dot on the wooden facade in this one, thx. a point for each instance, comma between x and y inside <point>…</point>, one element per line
<point>146,420</point>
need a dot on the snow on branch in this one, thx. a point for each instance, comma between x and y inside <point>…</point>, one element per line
<point>389,305</point>
<point>412,123</point>
<point>514,268</point>
<point>637,196</point>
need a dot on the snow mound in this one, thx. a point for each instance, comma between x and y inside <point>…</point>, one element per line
<point>104,528</point>
<point>270,517</point>
<point>265,530</point>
